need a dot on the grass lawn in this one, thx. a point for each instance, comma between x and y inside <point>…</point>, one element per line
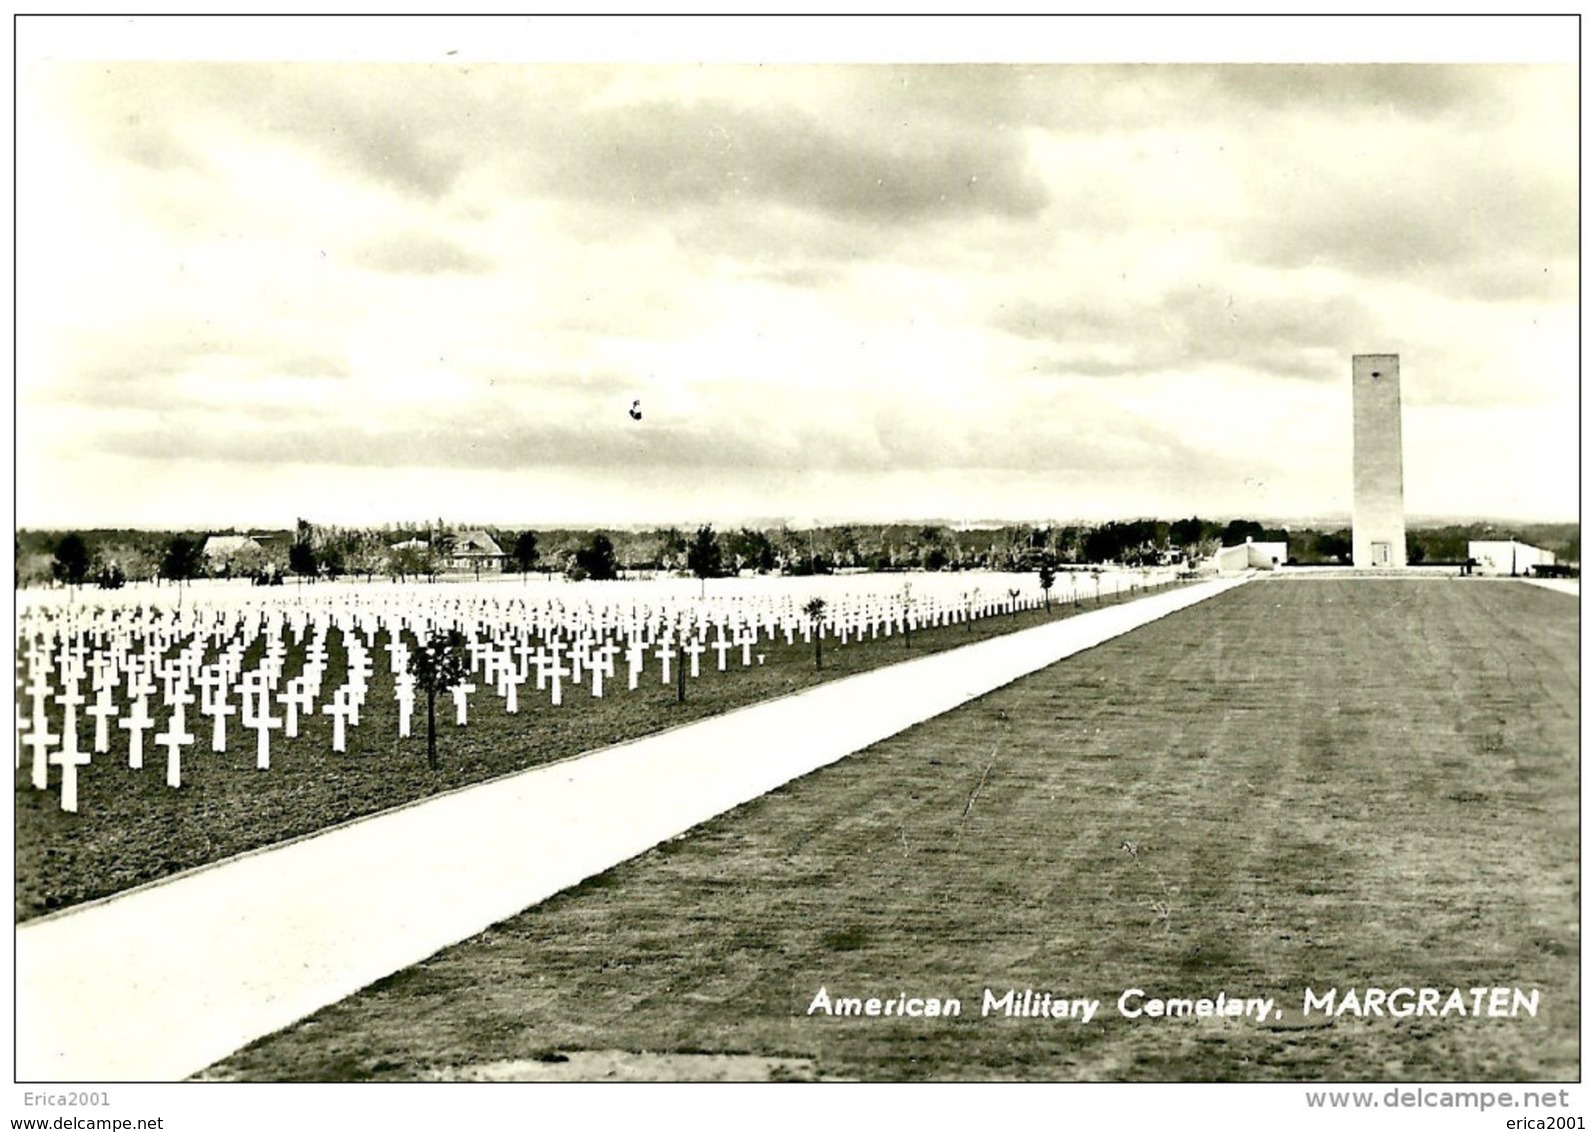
<point>131,828</point>
<point>1296,784</point>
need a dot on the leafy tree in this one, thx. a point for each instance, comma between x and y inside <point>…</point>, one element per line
<point>750,548</point>
<point>134,563</point>
<point>1333,546</point>
<point>244,562</point>
<point>1046,575</point>
<point>1105,543</point>
<point>331,561</point>
<point>674,549</point>
<point>439,664</point>
<point>815,608</point>
<point>182,560</point>
<point>1239,530</point>
<point>409,562</point>
<point>597,559</point>
<point>302,559</point>
<point>704,558</point>
<point>362,553</point>
<point>845,544</point>
<point>71,563</point>
<point>525,553</point>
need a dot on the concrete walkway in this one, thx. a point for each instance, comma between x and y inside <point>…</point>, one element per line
<point>159,983</point>
<point>1560,585</point>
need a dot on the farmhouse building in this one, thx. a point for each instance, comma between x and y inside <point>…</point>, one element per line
<point>477,550</point>
<point>1508,557</point>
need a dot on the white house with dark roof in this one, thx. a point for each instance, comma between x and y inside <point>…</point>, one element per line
<point>476,550</point>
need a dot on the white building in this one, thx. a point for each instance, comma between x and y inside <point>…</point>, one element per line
<point>1510,557</point>
<point>1250,556</point>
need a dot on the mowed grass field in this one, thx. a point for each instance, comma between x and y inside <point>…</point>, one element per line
<point>1300,783</point>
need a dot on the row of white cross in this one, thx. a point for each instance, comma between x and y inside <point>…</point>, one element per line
<point>563,609</point>
<point>509,643</point>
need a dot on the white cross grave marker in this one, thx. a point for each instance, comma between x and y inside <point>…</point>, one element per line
<point>69,699</point>
<point>103,711</point>
<point>296,698</point>
<point>137,722</point>
<point>404,692</point>
<point>174,739</point>
<point>340,709</point>
<point>257,715</point>
<point>461,691</point>
<point>693,649</point>
<point>41,740</point>
<point>556,670</point>
<point>69,761</point>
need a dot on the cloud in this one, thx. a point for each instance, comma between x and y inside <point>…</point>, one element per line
<point>1089,274</point>
<point>1474,205</point>
<point>664,155</point>
<point>384,123</point>
<point>158,369</point>
<point>1420,91</point>
<point>309,365</point>
<point>1195,327</point>
<point>125,114</point>
<point>1474,228</point>
<point>419,253</point>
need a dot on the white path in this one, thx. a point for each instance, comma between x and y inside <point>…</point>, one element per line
<point>1560,585</point>
<point>157,984</point>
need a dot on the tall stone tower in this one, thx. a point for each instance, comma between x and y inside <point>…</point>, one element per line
<point>1378,517</point>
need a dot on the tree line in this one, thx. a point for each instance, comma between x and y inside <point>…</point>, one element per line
<point>424,551</point>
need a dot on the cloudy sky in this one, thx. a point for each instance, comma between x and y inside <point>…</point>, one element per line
<point>371,291</point>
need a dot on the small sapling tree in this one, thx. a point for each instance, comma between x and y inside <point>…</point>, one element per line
<point>816,613</point>
<point>1046,575</point>
<point>438,665</point>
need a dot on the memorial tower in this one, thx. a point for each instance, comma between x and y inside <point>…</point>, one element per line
<point>1378,517</point>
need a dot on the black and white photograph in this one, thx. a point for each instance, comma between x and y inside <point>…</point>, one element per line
<point>632,557</point>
